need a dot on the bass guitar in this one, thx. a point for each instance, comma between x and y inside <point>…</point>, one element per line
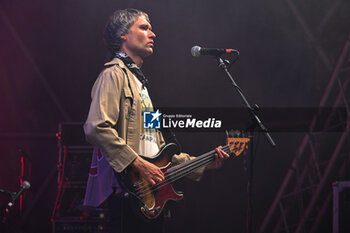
<point>150,200</point>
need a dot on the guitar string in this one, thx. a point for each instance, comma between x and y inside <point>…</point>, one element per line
<point>145,189</point>
<point>180,166</point>
<point>184,165</point>
<point>194,166</point>
<point>179,173</point>
<point>184,171</point>
<point>188,165</point>
<point>150,190</point>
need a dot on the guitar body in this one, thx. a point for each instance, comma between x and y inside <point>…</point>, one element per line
<point>149,201</point>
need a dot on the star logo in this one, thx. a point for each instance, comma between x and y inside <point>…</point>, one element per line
<point>156,115</point>
<point>151,120</point>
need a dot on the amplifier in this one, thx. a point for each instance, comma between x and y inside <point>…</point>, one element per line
<point>74,153</point>
<point>341,206</point>
<point>69,201</point>
<point>74,163</point>
<point>69,214</point>
<point>76,225</point>
<point>71,134</point>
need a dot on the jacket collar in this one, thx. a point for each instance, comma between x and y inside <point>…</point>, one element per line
<point>116,61</point>
<point>130,76</point>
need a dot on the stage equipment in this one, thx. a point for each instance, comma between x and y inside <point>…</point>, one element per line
<point>197,51</point>
<point>8,221</point>
<point>320,158</point>
<point>74,162</point>
<point>338,219</point>
<point>253,122</point>
<point>25,185</point>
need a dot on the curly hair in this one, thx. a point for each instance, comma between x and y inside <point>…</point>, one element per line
<point>118,24</point>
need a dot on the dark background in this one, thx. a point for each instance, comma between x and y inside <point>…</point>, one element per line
<point>52,52</point>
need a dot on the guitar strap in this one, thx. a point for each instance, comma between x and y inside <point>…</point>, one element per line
<point>168,134</point>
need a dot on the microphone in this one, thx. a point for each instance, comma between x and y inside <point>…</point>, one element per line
<point>197,51</point>
<point>25,185</point>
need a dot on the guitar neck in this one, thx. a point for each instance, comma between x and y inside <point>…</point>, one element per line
<point>190,166</point>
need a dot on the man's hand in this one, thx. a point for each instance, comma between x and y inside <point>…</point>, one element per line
<point>220,156</point>
<point>150,172</point>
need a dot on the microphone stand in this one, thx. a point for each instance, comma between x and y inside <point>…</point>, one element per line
<point>4,214</point>
<point>3,191</point>
<point>14,196</point>
<point>252,123</point>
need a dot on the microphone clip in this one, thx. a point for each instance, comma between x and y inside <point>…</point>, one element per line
<point>226,64</point>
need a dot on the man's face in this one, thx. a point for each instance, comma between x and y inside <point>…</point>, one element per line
<point>139,39</point>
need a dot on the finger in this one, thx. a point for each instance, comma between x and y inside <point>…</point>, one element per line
<point>151,182</point>
<point>159,179</point>
<point>220,150</point>
<point>157,172</point>
<point>155,180</point>
<point>225,155</point>
<point>160,175</point>
<point>217,154</point>
<point>220,155</point>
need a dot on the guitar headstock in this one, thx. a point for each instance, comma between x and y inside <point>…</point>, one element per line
<point>236,141</point>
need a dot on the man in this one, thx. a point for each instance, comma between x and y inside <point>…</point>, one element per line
<point>114,124</point>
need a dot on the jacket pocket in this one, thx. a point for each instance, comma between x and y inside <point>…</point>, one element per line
<point>128,103</point>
